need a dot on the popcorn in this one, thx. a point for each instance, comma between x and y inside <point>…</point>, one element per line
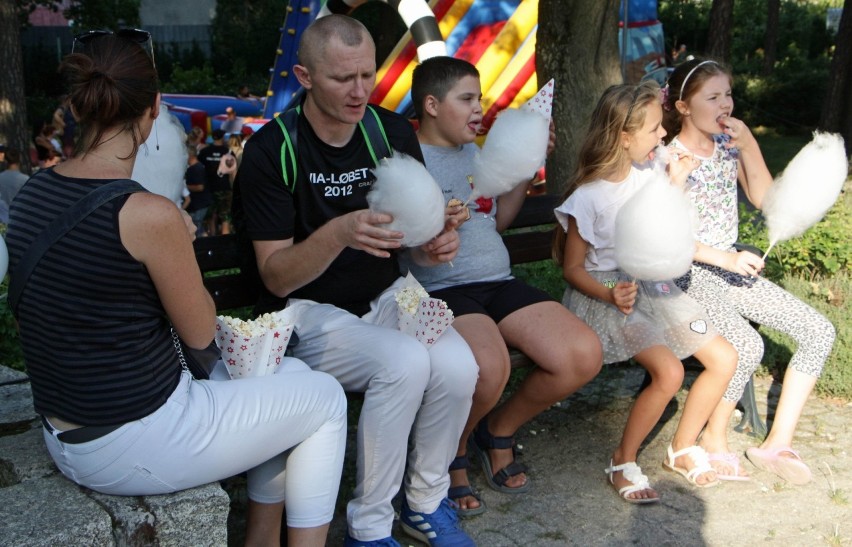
<point>419,315</point>
<point>409,298</point>
<point>255,347</point>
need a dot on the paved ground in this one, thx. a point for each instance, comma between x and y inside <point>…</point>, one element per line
<point>571,503</point>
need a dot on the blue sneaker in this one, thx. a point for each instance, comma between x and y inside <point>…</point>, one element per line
<point>384,542</point>
<point>438,529</point>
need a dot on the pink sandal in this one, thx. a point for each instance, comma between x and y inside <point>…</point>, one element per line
<point>731,460</point>
<point>790,468</point>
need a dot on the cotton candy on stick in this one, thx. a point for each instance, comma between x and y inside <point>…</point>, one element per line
<point>807,188</point>
<point>515,148</point>
<point>654,237</point>
<point>405,190</point>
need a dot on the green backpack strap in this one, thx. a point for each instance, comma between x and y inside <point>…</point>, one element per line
<point>289,122</point>
<point>370,125</point>
<point>374,135</point>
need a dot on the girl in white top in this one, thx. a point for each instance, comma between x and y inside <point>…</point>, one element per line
<point>654,323</point>
<point>726,281</point>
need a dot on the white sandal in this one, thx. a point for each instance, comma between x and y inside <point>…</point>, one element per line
<point>701,465</point>
<point>639,482</point>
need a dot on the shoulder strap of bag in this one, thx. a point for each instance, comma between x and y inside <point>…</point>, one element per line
<point>58,227</point>
<point>370,125</point>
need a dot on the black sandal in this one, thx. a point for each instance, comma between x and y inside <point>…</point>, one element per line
<point>458,492</point>
<point>482,442</point>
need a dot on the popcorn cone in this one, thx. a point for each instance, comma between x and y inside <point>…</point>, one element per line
<point>420,316</point>
<point>542,102</point>
<point>251,348</point>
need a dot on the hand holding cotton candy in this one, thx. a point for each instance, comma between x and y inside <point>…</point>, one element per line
<point>405,190</point>
<point>515,148</point>
<point>807,188</point>
<point>654,236</point>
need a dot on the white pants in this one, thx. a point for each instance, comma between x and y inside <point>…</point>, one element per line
<point>288,430</point>
<point>407,390</point>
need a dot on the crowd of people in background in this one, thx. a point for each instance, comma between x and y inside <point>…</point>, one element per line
<point>211,165</point>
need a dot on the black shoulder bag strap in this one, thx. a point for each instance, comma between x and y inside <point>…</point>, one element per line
<point>58,227</point>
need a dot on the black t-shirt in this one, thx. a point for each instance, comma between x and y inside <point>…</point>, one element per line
<point>195,175</point>
<point>210,156</point>
<point>330,182</point>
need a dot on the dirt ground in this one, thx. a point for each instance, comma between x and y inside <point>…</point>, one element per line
<point>571,503</point>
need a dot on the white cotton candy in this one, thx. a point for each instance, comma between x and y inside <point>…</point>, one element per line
<point>514,150</point>
<point>405,190</point>
<point>654,235</point>
<point>807,188</point>
<point>162,171</point>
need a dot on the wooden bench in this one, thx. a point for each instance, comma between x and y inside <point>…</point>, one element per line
<point>527,240</point>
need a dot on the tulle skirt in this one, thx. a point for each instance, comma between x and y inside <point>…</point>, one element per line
<point>662,315</point>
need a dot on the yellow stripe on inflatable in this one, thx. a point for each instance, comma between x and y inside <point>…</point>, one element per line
<point>402,85</point>
<point>526,93</point>
<point>509,73</point>
<point>501,51</point>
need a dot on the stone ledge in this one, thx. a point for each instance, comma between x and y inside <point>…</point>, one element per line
<point>40,507</point>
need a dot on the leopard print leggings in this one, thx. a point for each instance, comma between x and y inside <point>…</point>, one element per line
<point>732,300</point>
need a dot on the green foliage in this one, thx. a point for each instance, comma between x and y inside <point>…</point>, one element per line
<point>821,252</point>
<point>545,275</point>
<point>245,35</point>
<point>831,298</point>
<point>10,347</point>
<point>789,99</point>
<point>92,14</point>
<point>684,22</point>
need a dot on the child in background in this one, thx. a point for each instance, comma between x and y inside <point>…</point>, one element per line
<point>652,322</point>
<point>726,282</point>
<point>492,309</point>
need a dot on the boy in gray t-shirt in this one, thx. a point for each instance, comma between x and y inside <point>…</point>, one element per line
<point>493,310</point>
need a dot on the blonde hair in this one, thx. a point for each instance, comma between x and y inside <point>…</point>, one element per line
<point>621,109</point>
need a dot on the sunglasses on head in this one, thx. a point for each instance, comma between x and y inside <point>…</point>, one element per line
<point>141,37</point>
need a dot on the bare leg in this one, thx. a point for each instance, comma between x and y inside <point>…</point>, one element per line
<point>307,537</point>
<point>481,334</point>
<point>666,373</point>
<point>795,390</point>
<point>567,354</point>
<point>719,359</point>
<point>715,438</point>
<point>263,524</point>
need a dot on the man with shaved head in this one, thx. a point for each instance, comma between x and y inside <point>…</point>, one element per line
<point>321,252</point>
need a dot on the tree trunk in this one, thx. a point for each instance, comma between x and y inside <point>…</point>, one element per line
<point>770,41</point>
<point>719,35</point>
<point>577,44</point>
<point>13,107</point>
<point>837,107</point>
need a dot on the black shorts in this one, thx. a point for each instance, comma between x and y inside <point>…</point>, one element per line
<point>496,299</point>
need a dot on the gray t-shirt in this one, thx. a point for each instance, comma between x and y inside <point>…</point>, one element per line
<point>482,255</point>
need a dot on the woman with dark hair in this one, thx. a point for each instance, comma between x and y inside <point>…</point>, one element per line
<point>101,312</point>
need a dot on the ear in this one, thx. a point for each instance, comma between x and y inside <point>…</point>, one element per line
<point>430,105</point>
<point>156,108</point>
<point>626,140</point>
<point>303,75</point>
<point>682,107</point>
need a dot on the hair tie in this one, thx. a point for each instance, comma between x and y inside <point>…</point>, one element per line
<point>688,74</point>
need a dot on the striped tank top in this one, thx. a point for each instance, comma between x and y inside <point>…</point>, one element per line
<point>95,337</point>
